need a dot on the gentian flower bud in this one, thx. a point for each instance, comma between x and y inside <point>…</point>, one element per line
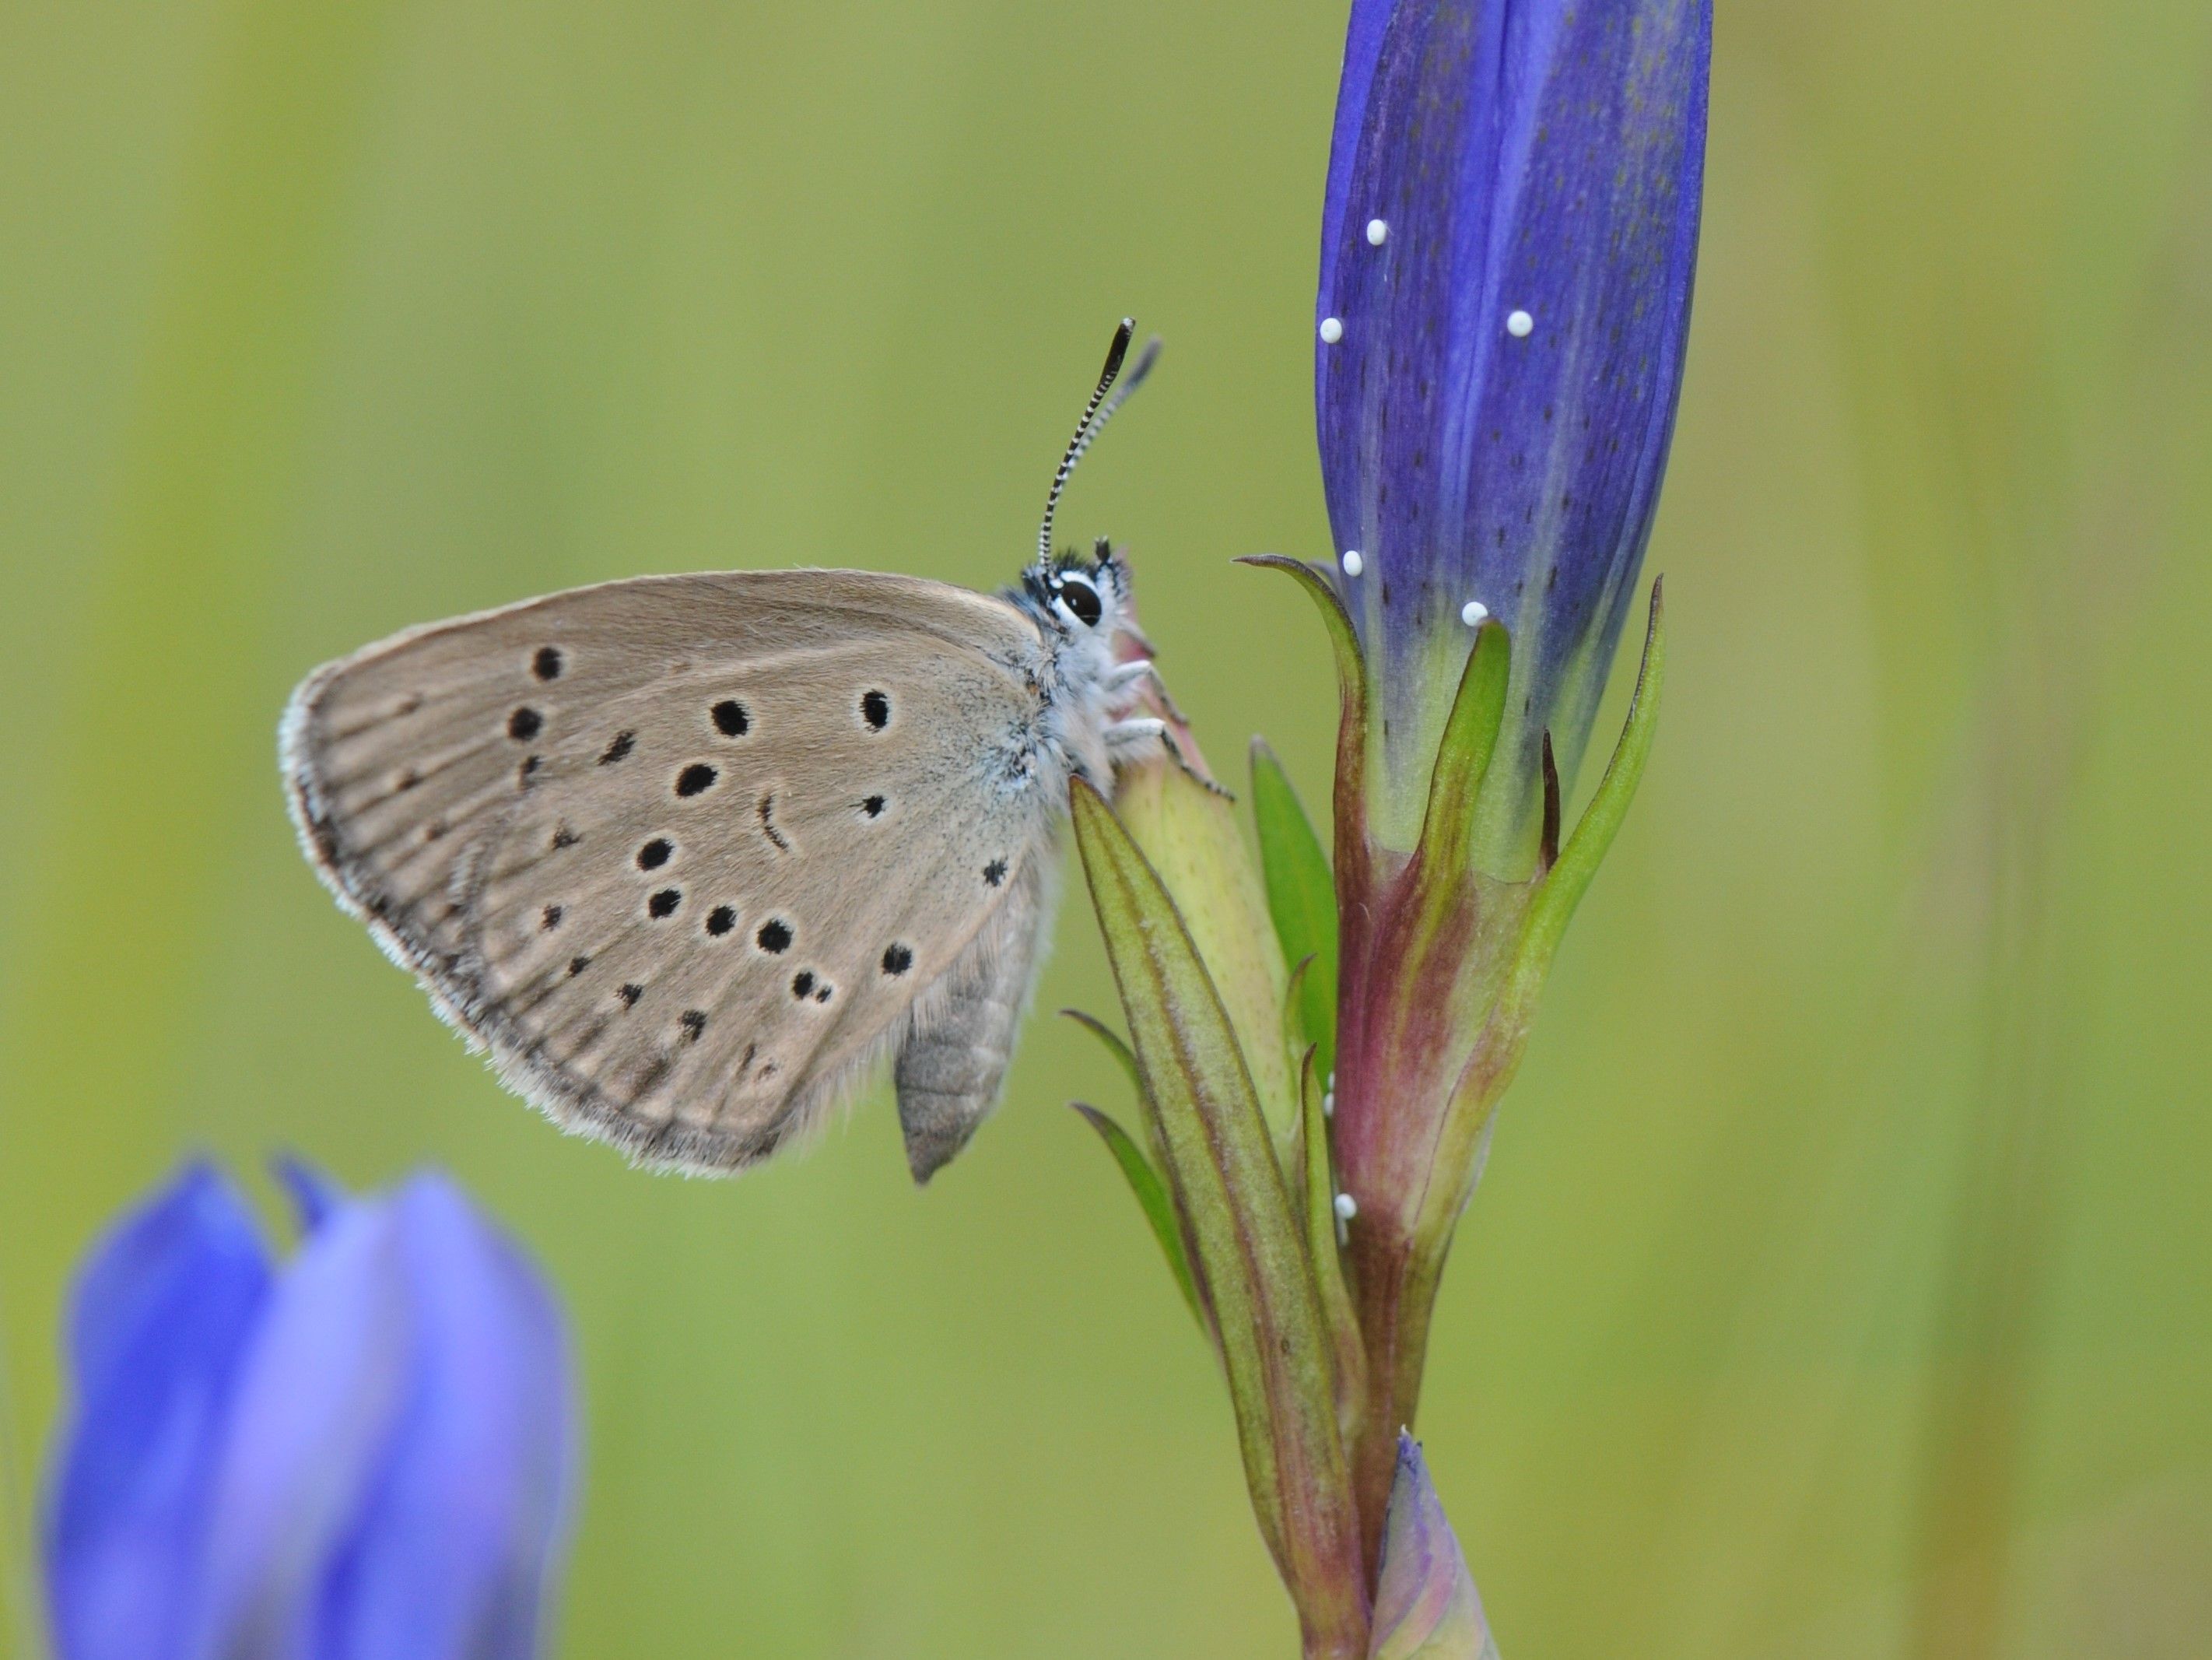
<point>1508,238</point>
<point>1425,1604</point>
<point>1509,234</point>
<point>365,1454</point>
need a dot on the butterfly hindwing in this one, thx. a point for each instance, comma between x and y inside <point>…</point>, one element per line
<point>684,851</point>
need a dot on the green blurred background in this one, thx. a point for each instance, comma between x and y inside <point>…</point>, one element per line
<point>1839,1286</point>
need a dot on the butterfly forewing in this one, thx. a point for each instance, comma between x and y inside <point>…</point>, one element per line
<point>684,851</point>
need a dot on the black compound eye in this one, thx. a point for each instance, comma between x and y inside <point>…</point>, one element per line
<point>1081,599</point>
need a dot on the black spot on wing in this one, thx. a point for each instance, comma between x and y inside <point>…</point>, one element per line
<point>547,663</point>
<point>731,718</point>
<point>696,779</point>
<point>876,710</point>
<point>624,742</point>
<point>524,724</point>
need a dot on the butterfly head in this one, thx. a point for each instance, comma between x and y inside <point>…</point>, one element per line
<point>1082,598</point>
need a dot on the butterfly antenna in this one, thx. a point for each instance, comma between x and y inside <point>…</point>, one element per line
<point>1096,414</point>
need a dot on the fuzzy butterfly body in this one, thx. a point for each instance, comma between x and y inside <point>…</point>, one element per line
<point>690,855</point>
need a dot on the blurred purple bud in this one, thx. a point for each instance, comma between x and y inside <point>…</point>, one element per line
<point>1425,1605</point>
<point>365,1456</point>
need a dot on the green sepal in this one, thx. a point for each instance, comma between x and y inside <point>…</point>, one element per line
<point>1470,738</point>
<point>1153,1199</point>
<point>1561,890</point>
<point>1247,1240</point>
<point>1301,895</point>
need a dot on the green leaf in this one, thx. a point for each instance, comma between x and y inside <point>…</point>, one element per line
<point>1561,890</point>
<point>1114,1046</point>
<point>1152,1197</point>
<point>1248,1241</point>
<point>1301,897</point>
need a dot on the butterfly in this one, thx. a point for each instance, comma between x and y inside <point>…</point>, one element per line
<point>690,855</point>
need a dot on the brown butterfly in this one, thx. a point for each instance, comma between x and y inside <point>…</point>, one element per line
<point>688,854</point>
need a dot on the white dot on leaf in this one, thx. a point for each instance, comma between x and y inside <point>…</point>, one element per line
<point>1377,231</point>
<point>1347,1207</point>
<point>1519,324</point>
<point>1332,331</point>
<point>1353,564</point>
<point>1473,612</point>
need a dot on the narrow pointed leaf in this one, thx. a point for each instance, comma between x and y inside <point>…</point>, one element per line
<point>1562,890</point>
<point>1152,1198</point>
<point>1248,1241</point>
<point>1301,895</point>
<point>1111,1041</point>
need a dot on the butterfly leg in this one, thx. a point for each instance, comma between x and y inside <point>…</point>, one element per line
<point>1144,672</point>
<point>1139,732</point>
<point>1134,738</point>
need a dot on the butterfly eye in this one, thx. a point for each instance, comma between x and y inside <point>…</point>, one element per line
<point>1081,599</point>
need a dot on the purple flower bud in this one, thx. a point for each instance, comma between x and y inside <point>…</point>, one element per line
<point>365,1454</point>
<point>1425,1605</point>
<point>1507,246</point>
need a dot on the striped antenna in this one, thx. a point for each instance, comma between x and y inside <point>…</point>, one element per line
<point>1096,414</point>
